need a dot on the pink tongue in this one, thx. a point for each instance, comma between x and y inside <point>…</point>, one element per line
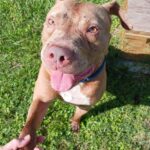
<point>62,82</point>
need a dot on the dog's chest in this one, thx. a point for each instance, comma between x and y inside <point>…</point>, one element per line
<point>75,96</point>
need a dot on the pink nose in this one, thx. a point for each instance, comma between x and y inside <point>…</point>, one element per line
<point>60,56</point>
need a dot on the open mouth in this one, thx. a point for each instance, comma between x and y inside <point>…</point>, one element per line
<point>62,82</point>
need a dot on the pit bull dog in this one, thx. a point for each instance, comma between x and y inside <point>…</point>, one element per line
<point>75,40</point>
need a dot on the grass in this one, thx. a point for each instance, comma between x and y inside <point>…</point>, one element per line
<point>120,121</point>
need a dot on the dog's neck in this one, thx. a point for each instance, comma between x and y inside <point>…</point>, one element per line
<point>96,73</point>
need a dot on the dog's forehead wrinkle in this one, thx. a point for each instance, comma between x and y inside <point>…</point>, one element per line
<point>76,12</point>
<point>65,15</point>
<point>59,13</point>
<point>86,16</point>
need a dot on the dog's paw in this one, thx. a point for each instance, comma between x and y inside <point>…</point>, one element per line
<point>75,126</point>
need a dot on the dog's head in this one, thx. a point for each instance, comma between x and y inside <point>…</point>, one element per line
<point>75,39</point>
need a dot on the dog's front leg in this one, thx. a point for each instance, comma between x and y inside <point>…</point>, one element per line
<point>35,116</point>
<point>75,120</point>
<point>43,96</point>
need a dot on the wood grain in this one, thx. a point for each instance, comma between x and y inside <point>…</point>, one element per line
<point>138,14</point>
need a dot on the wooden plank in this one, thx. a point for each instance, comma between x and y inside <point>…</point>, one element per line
<point>135,44</point>
<point>137,36</point>
<point>138,14</point>
<point>141,6</point>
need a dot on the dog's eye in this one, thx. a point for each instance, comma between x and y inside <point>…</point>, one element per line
<point>50,21</point>
<point>93,29</point>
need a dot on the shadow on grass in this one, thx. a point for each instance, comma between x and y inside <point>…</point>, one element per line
<point>128,88</point>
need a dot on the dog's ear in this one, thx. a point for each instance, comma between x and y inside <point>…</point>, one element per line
<point>113,8</point>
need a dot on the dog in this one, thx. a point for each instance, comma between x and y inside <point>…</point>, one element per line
<point>75,40</point>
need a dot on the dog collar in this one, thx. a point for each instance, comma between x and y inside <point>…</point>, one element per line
<point>96,73</point>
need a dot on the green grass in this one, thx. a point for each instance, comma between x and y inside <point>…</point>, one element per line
<point>120,121</point>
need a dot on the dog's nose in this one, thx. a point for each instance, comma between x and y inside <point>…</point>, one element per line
<point>60,56</point>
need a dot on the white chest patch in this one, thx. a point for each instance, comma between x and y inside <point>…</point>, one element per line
<point>75,96</point>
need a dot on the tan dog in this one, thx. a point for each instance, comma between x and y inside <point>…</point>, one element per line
<point>75,42</point>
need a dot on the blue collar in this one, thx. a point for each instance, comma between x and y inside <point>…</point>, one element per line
<point>96,73</point>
